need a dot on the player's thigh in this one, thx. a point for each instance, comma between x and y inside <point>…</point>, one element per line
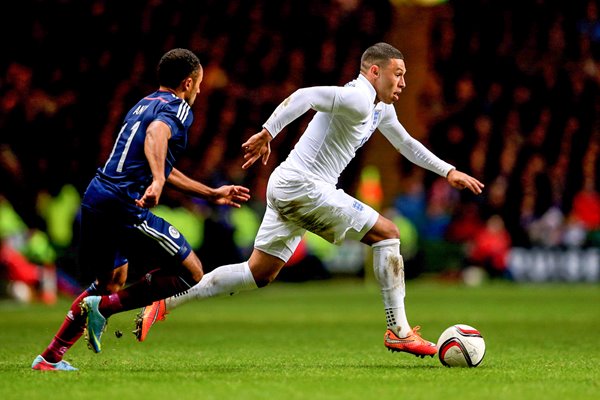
<point>157,243</point>
<point>99,245</point>
<point>334,215</point>
<point>277,236</point>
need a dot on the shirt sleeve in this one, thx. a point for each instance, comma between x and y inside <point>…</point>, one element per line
<point>409,147</point>
<point>177,115</point>
<point>329,99</point>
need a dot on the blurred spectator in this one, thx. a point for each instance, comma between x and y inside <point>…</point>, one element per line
<point>441,204</point>
<point>586,206</point>
<point>588,25</point>
<point>27,281</point>
<point>412,200</point>
<point>547,230</point>
<point>466,223</point>
<point>14,267</point>
<point>369,187</point>
<point>489,247</point>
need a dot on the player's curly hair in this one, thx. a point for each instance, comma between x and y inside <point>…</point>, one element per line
<point>379,54</point>
<point>175,66</point>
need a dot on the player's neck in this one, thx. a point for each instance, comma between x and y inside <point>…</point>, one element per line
<point>166,89</point>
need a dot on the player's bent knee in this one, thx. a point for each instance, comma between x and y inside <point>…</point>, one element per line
<point>118,284</point>
<point>109,287</point>
<point>384,229</point>
<point>114,287</point>
<point>263,282</point>
<point>388,230</point>
<point>264,279</point>
<point>264,267</point>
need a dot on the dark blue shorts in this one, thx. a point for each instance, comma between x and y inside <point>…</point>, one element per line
<point>108,243</point>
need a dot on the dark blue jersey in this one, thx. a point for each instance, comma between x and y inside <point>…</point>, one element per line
<point>127,174</point>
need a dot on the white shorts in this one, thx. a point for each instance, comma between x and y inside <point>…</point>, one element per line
<point>297,202</point>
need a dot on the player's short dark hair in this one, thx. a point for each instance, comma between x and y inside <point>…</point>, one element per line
<point>175,66</point>
<point>379,54</point>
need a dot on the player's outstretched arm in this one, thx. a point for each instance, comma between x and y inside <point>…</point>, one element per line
<point>460,180</point>
<point>229,195</point>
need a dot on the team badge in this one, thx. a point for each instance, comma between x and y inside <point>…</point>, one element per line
<point>174,232</point>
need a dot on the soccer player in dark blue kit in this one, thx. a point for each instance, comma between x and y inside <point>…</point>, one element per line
<point>116,223</point>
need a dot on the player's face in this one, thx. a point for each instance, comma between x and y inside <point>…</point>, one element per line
<point>390,81</point>
<point>194,88</point>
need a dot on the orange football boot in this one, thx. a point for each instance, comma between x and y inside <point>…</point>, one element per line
<point>413,343</point>
<point>147,317</point>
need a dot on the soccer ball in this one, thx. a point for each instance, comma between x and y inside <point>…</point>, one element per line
<point>461,346</point>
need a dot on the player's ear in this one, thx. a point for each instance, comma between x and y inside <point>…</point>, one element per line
<point>189,81</point>
<point>375,70</point>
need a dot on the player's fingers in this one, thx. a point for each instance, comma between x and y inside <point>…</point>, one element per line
<point>242,189</point>
<point>248,163</point>
<point>265,156</point>
<point>242,197</point>
<point>475,187</point>
<point>246,144</point>
<point>478,184</point>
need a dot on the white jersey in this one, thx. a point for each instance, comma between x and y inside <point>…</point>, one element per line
<point>346,118</point>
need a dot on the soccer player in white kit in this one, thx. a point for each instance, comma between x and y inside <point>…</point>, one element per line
<point>302,194</point>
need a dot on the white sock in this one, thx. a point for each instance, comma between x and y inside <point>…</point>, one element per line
<point>225,280</point>
<point>388,266</point>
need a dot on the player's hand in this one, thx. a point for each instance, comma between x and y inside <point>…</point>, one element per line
<point>151,196</point>
<point>460,180</point>
<point>259,145</point>
<point>231,195</point>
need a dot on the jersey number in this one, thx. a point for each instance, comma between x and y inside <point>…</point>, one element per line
<point>132,132</point>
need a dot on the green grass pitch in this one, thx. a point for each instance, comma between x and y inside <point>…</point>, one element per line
<point>321,340</point>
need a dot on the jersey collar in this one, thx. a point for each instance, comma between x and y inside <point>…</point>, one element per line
<point>365,82</point>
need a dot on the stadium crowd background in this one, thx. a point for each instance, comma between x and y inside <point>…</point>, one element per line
<point>510,95</point>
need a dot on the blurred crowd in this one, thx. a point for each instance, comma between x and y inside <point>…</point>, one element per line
<point>511,97</point>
